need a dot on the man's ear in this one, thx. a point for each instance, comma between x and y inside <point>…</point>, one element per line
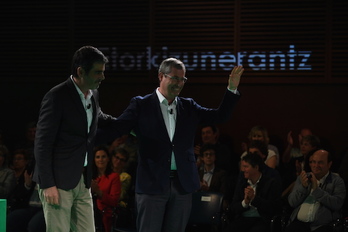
<point>80,72</point>
<point>160,76</point>
<point>330,164</point>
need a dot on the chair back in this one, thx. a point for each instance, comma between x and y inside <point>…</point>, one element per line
<point>206,208</point>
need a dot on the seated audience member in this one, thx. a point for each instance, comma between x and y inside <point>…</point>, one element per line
<point>317,196</point>
<point>24,187</point>
<point>226,160</point>
<point>30,213</point>
<point>291,151</point>
<point>7,175</point>
<point>296,165</point>
<point>129,143</point>
<point>105,186</point>
<point>212,178</point>
<point>256,198</point>
<point>24,204</point>
<point>261,133</point>
<point>308,143</point>
<point>119,160</point>
<point>19,163</point>
<point>125,210</point>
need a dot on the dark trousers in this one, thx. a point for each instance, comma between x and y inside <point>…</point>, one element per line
<point>168,212</point>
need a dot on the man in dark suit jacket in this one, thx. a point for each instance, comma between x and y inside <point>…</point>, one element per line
<point>257,197</point>
<point>64,142</point>
<point>165,126</point>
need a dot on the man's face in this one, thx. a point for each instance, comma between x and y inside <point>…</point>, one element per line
<point>306,147</point>
<point>19,161</point>
<point>319,164</point>
<point>94,77</point>
<point>208,135</point>
<point>248,170</point>
<point>304,132</point>
<point>209,157</point>
<point>170,88</point>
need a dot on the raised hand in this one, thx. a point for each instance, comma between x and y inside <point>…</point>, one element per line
<point>234,78</point>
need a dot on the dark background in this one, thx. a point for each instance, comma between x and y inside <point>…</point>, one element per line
<point>38,40</point>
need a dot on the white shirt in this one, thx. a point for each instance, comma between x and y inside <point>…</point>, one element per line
<point>87,105</point>
<point>169,116</point>
<point>208,175</point>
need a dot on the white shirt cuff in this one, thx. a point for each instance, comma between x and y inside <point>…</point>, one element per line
<point>233,91</point>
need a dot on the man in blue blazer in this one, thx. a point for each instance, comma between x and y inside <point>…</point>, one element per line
<point>64,143</point>
<point>165,126</point>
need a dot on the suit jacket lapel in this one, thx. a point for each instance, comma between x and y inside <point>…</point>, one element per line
<point>179,117</point>
<point>95,115</point>
<point>77,101</point>
<point>75,97</point>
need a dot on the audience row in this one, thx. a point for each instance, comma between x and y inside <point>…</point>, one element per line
<point>257,184</point>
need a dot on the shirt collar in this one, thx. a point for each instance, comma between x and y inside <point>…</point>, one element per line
<point>210,172</point>
<point>251,183</point>
<point>163,100</point>
<point>322,180</point>
<point>89,94</point>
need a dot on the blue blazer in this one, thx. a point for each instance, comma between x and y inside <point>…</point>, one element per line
<point>144,117</point>
<point>61,140</point>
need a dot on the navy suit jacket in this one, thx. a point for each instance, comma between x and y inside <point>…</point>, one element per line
<point>144,117</point>
<point>62,138</point>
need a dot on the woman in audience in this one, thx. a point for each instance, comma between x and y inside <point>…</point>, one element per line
<point>261,149</point>
<point>119,160</point>
<point>105,186</point>
<point>261,133</point>
<point>125,214</point>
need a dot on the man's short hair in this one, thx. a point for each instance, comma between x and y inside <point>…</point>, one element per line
<point>169,63</point>
<point>85,57</point>
<point>207,147</point>
<point>254,160</point>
